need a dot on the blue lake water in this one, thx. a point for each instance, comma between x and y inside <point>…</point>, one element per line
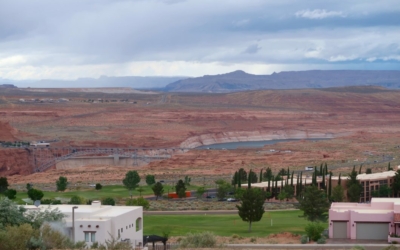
<point>252,144</point>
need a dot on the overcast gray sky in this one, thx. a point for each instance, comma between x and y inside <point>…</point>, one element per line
<point>73,38</point>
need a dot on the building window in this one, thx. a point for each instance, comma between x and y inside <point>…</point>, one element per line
<point>93,237</point>
<point>86,236</point>
<point>138,224</point>
<point>90,236</point>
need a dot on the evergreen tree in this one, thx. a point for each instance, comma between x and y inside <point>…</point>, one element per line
<point>320,170</point>
<point>131,181</point>
<point>253,178</point>
<point>330,185</point>
<point>150,179</point>
<point>354,187</point>
<point>323,186</point>
<point>251,208</point>
<point>291,180</point>
<point>340,180</point>
<point>158,189</point>
<point>389,168</point>
<point>396,184</point>
<point>359,171</point>
<point>268,174</point>
<point>62,183</point>
<point>235,178</point>
<point>269,186</point>
<point>261,176</point>
<point>242,174</point>
<point>314,203</point>
<point>338,193</point>
<point>180,189</point>
<point>3,184</point>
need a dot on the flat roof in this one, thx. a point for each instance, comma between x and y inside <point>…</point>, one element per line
<point>88,211</point>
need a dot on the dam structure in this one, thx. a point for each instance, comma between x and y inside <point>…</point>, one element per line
<point>45,158</point>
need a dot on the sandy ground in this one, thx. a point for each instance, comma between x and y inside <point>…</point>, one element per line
<point>367,122</point>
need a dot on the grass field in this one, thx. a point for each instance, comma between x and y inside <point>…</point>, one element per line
<point>225,225</point>
<point>114,191</point>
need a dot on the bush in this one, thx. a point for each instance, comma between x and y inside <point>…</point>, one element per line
<point>198,240</point>
<point>76,200</point>
<point>62,183</point>
<point>98,186</point>
<point>11,193</point>
<point>321,240</point>
<point>304,239</point>
<point>51,201</point>
<point>35,194</point>
<point>235,236</point>
<point>138,202</point>
<point>108,201</point>
<point>391,247</point>
<point>15,237</point>
<point>252,239</point>
<point>314,230</point>
<point>358,248</point>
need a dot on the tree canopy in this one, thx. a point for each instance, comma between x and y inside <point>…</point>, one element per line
<point>150,179</point>
<point>3,184</point>
<point>314,203</point>
<point>62,183</point>
<point>251,208</point>
<point>158,189</point>
<point>131,181</point>
<point>180,189</point>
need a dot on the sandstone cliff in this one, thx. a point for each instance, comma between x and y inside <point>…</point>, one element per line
<point>238,136</point>
<point>14,161</point>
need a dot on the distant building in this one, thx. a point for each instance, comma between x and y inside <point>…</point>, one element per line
<point>369,183</point>
<point>98,223</point>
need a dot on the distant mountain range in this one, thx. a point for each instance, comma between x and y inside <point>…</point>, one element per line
<point>230,82</point>
<point>242,81</point>
<point>137,82</point>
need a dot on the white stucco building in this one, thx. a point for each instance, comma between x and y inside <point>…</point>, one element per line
<point>98,223</point>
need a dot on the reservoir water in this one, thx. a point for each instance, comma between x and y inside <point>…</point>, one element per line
<point>252,144</point>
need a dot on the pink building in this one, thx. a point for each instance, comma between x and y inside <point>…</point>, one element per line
<point>373,221</point>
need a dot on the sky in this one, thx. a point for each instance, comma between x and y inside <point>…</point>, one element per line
<point>70,39</point>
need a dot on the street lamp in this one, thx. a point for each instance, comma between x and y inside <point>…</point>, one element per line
<point>73,223</point>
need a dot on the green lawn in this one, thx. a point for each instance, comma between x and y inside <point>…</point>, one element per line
<point>225,225</point>
<point>114,191</point>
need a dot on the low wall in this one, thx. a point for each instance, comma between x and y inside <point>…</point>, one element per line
<point>90,161</point>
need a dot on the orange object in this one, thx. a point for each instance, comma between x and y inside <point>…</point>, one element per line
<point>175,196</point>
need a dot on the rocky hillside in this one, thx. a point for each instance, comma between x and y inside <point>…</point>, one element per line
<point>242,81</point>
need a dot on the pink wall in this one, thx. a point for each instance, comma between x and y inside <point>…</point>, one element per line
<point>379,210</point>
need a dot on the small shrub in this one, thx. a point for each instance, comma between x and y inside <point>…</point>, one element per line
<point>50,201</point>
<point>304,239</point>
<point>77,200</point>
<point>10,193</point>
<point>98,186</point>
<point>252,239</point>
<point>314,230</point>
<point>235,236</point>
<point>198,240</point>
<point>358,248</point>
<point>108,201</point>
<point>321,240</point>
<point>138,202</point>
<point>391,247</point>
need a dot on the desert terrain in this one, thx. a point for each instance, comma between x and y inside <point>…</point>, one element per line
<point>362,122</point>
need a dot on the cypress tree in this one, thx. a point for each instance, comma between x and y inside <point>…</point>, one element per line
<point>339,181</point>
<point>261,177</point>
<point>320,170</point>
<point>359,171</point>
<point>301,183</point>
<point>239,178</point>
<point>249,180</point>
<point>326,168</point>
<point>323,179</point>
<point>389,168</point>
<point>291,180</point>
<point>330,185</point>
<point>269,185</point>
